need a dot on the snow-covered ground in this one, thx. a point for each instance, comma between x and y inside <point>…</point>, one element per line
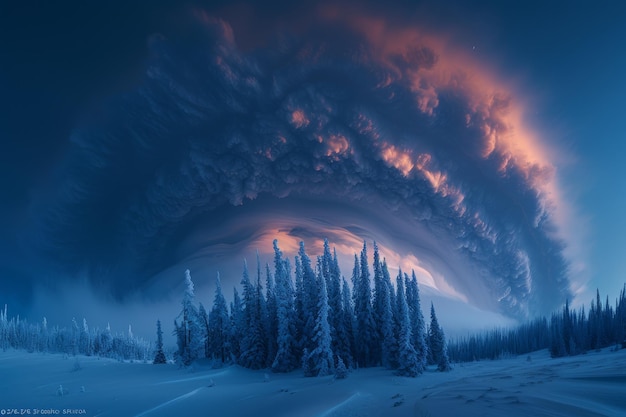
<point>589,385</point>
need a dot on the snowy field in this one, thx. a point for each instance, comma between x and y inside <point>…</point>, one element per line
<point>589,385</point>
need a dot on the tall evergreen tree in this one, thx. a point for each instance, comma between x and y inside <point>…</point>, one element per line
<point>253,354</point>
<point>620,318</point>
<point>346,350</point>
<point>321,357</point>
<point>219,325</point>
<point>364,329</point>
<point>418,326</point>
<point>299,307</point>
<point>203,320</point>
<point>388,344</point>
<point>437,343</point>
<point>237,326</point>
<point>286,359</point>
<point>408,364</point>
<point>159,357</point>
<point>189,334</point>
<point>381,294</point>
<point>309,299</point>
<point>271,319</point>
<point>85,344</point>
<point>333,285</point>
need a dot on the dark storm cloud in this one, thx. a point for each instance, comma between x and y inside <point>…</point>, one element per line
<point>358,130</point>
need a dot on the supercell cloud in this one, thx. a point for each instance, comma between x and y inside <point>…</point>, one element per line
<point>352,128</point>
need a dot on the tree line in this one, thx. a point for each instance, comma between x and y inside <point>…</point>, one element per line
<point>17,333</point>
<point>566,333</point>
<point>309,317</point>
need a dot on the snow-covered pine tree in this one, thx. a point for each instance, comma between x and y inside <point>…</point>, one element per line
<point>408,364</point>
<point>418,326</point>
<point>567,329</point>
<point>341,372</point>
<point>299,318</point>
<point>557,346</point>
<point>271,319</point>
<point>261,309</point>
<point>106,341</point>
<point>333,286</point>
<point>75,337</point>
<point>309,299</point>
<point>203,322</point>
<point>437,343</point>
<point>607,321</point>
<point>379,306</point>
<point>253,352</point>
<point>389,344</point>
<point>364,329</point>
<point>84,341</point>
<point>189,333</point>
<point>321,357</point>
<point>593,334</point>
<point>219,325</point>
<point>236,326</point>
<point>43,336</point>
<point>159,357</point>
<point>286,359</point>
<point>620,318</point>
<point>346,346</point>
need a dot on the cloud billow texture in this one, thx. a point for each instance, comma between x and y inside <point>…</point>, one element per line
<point>350,138</point>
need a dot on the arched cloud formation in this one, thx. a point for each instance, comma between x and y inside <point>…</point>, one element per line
<point>352,129</point>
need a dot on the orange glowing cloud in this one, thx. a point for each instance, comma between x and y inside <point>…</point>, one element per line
<point>430,64</point>
<point>299,119</point>
<point>405,162</point>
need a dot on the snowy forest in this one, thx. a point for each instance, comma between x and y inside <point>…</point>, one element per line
<point>318,324</point>
<point>18,333</point>
<point>566,333</point>
<point>309,317</point>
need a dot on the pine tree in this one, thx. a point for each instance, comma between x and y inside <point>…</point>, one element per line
<point>365,328</point>
<point>381,294</point>
<point>407,357</point>
<point>189,334</point>
<point>219,323</point>
<point>620,318</point>
<point>309,299</point>
<point>253,354</point>
<point>159,358</point>
<point>237,326</point>
<point>437,343</point>
<point>389,344</point>
<point>341,372</point>
<point>271,319</point>
<point>299,308</point>
<point>106,341</point>
<point>567,329</point>
<point>75,337</point>
<point>333,285</point>
<point>346,350</point>
<point>203,321</point>
<point>321,357</point>
<point>286,359</point>
<point>85,345</point>
<point>418,331</point>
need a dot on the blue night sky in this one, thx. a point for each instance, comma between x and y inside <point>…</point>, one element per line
<point>480,145</point>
